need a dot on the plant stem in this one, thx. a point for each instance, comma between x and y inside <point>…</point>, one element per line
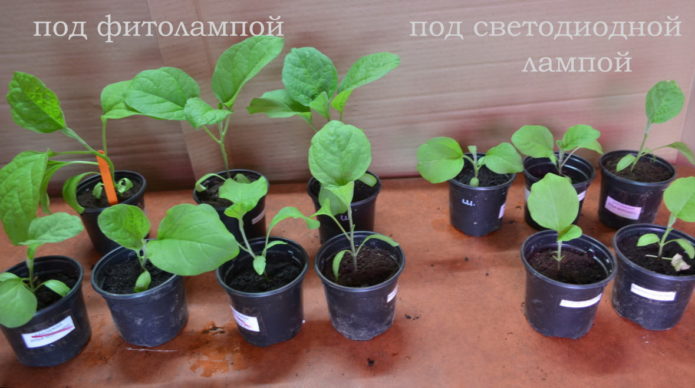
<point>352,237</point>
<point>558,256</point>
<point>641,152</point>
<point>103,135</point>
<point>73,135</point>
<point>669,228</point>
<point>562,160</point>
<point>248,249</point>
<point>30,267</point>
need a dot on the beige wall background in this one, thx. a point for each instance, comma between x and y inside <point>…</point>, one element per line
<point>471,89</point>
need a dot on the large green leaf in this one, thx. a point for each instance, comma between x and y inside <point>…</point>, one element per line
<point>53,228</point>
<point>278,104</point>
<point>241,62</point>
<point>553,203</point>
<point>365,70</point>
<point>503,159</point>
<point>439,159</point>
<point>335,200</point>
<point>683,149</point>
<point>339,154</point>
<point>125,224</point>
<point>20,184</point>
<point>679,198</point>
<point>292,212</point>
<point>535,141</point>
<point>113,104</point>
<point>33,105</point>
<point>307,73</point>
<point>162,93</point>
<point>664,101</point>
<point>199,113</point>
<point>70,190</point>
<point>321,105</point>
<point>17,303</point>
<point>191,240</point>
<point>243,195</point>
<point>580,136</point>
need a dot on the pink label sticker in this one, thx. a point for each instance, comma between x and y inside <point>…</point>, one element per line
<point>622,210</point>
<point>49,335</point>
<point>246,321</point>
<point>501,214</point>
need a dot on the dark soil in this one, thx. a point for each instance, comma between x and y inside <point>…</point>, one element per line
<point>280,269</point>
<point>540,170</point>
<point>576,267</point>
<point>120,279</point>
<point>647,169</point>
<point>210,194</point>
<point>87,200</point>
<point>486,177</point>
<point>638,255</point>
<point>360,192</point>
<point>45,296</point>
<point>374,266</point>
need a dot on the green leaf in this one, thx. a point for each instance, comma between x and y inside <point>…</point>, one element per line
<point>98,190</point>
<point>339,154</point>
<point>125,224</point>
<point>625,161</point>
<point>238,64</point>
<point>683,149</point>
<point>57,286</point>
<point>647,239</point>
<point>336,262</point>
<point>244,196</point>
<point>580,136</point>
<point>7,276</point>
<point>162,93</point>
<point>570,233</point>
<point>142,283</point>
<point>553,202</point>
<point>307,73</point>
<point>259,264</point>
<point>191,240</point>
<point>241,178</point>
<point>664,101</point>
<point>53,228</point>
<point>70,191</point>
<point>687,247</point>
<point>113,103</point>
<point>440,159</point>
<point>679,198</point>
<point>475,182</point>
<point>336,199</point>
<point>20,184</point>
<point>123,185</point>
<point>292,212</point>
<point>503,159</point>
<point>365,70</point>
<point>535,141</point>
<point>320,105</point>
<point>33,105</point>
<point>17,303</point>
<point>51,168</point>
<point>199,183</point>
<point>368,179</point>
<point>198,113</point>
<point>278,104</point>
<point>381,237</point>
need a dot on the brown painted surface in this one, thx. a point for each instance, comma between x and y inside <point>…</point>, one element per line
<point>458,322</point>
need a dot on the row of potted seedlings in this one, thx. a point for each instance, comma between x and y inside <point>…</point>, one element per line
<point>139,276</point>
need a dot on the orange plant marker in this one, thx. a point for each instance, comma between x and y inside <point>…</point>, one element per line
<point>107,180</point>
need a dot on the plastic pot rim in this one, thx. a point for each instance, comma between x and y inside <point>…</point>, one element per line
<point>276,291</point>
<point>605,170</point>
<point>609,276</point>
<point>358,238</point>
<point>237,170</point>
<point>635,266</point>
<point>462,185</point>
<point>578,158</point>
<point>371,197</point>
<point>135,295</point>
<point>129,201</point>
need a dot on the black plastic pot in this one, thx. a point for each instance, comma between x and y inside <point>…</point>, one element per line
<point>58,332</point>
<point>477,211</point>
<point>267,318</point>
<point>624,201</point>
<point>560,309</point>
<point>577,168</point>
<point>652,300</point>
<point>90,215</point>
<point>149,318</point>
<point>254,221</point>
<point>362,211</point>
<point>359,313</point>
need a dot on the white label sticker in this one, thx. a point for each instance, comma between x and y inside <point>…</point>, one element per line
<point>623,210</point>
<point>501,214</point>
<point>49,335</point>
<point>246,321</point>
<point>526,193</point>
<point>467,202</point>
<point>581,195</point>
<point>258,217</point>
<point>578,304</point>
<point>392,294</point>
<point>663,296</point>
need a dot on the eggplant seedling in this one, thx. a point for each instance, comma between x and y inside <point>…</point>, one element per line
<point>680,201</point>
<point>441,159</point>
<point>191,239</point>
<point>338,156</point>
<point>537,141</point>
<point>554,205</point>
<point>664,101</point>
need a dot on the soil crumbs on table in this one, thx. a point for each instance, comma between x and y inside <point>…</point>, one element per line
<point>576,267</point>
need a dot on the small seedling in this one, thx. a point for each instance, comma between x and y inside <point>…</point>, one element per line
<point>554,205</point>
<point>311,84</point>
<point>338,156</point>
<point>441,159</point>
<point>244,197</point>
<point>680,201</point>
<point>537,141</point>
<point>664,101</point>
<point>191,239</point>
